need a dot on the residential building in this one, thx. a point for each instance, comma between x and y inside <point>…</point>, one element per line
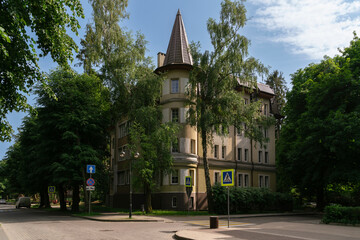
<point>254,164</point>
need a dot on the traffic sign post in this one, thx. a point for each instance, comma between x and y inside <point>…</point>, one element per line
<point>227,180</point>
<point>90,182</point>
<point>51,189</point>
<point>188,185</point>
<point>90,169</point>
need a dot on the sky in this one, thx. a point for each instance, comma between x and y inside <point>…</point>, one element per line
<point>285,35</point>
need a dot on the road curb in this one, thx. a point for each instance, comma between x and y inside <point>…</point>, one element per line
<point>120,220</point>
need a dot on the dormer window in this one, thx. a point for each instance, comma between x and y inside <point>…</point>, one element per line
<point>174,85</point>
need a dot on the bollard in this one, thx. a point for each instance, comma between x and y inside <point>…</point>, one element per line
<point>214,222</point>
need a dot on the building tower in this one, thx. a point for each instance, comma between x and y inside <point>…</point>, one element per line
<point>176,64</point>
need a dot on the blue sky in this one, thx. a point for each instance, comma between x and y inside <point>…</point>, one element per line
<point>285,35</point>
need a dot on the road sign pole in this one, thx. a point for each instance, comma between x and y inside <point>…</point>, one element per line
<point>90,199</point>
<point>228,207</point>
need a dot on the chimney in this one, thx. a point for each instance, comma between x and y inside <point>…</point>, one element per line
<point>160,59</point>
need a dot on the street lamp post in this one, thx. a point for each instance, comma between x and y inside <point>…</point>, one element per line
<point>136,155</point>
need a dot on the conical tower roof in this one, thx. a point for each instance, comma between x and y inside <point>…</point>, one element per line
<point>178,51</point>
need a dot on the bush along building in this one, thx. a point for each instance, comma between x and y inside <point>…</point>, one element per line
<point>254,164</point>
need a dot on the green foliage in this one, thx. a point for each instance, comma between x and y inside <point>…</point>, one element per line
<point>339,214</point>
<point>48,21</point>
<point>148,134</point>
<point>212,99</point>
<point>320,139</point>
<point>244,200</point>
<point>69,132</point>
<point>277,82</point>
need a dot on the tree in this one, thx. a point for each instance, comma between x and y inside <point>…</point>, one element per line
<point>320,137</point>
<point>148,134</point>
<point>73,128</point>
<point>19,69</point>
<point>114,51</point>
<point>214,102</point>
<point>277,82</point>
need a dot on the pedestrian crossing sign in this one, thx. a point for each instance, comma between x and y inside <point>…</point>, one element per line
<point>188,181</point>
<point>227,177</point>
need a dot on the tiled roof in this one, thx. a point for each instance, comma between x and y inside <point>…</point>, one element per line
<point>178,51</point>
<point>265,88</point>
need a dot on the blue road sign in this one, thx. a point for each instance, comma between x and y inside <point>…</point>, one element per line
<point>51,189</point>
<point>227,177</point>
<point>90,182</point>
<point>188,181</point>
<point>90,168</point>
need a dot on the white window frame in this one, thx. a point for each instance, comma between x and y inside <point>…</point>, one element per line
<point>266,158</point>
<point>175,120</point>
<point>217,180</point>
<point>193,146</point>
<point>216,151</point>
<point>172,202</point>
<point>223,152</point>
<point>263,183</point>
<point>246,154</point>
<point>244,180</point>
<point>174,88</point>
<point>260,157</point>
<point>178,177</point>
<point>239,154</point>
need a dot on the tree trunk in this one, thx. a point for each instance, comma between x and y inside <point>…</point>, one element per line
<point>75,199</point>
<point>86,198</point>
<point>320,203</point>
<point>62,198</point>
<point>207,172</point>
<point>44,198</point>
<point>148,204</point>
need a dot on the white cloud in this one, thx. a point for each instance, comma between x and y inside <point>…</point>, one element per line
<point>312,27</point>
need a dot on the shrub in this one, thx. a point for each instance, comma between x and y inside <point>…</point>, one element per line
<point>243,200</point>
<point>339,214</point>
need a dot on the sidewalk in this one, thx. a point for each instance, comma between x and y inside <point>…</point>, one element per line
<point>199,234</point>
<point>116,217</point>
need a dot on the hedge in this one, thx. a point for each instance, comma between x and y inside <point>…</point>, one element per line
<point>339,214</point>
<point>244,200</point>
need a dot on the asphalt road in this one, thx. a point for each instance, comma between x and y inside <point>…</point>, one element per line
<point>32,224</point>
<point>284,227</point>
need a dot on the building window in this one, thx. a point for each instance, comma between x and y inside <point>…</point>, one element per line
<point>223,152</point>
<point>266,157</point>
<point>121,178</point>
<point>175,177</point>
<point>239,131</point>
<point>192,175</point>
<point>243,180</point>
<point>265,109</point>
<point>246,180</point>
<point>246,101</point>
<point>240,180</point>
<point>175,146</point>
<point>123,130</point>
<point>174,85</point>
<point>246,155</point>
<point>217,177</point>
<point>216,151</point>
<point>175,115</point>
<point>239,154</point>
<point>192,202</point>
<point>266,133</point>
<point>174,202</point>
<point>192,146</point>
<point>260,156</point>
<point>264,181</point>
